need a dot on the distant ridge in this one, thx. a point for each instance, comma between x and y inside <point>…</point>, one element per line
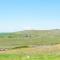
<point>29,38</point>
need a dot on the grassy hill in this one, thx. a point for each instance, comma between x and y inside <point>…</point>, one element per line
<point>30,38</point>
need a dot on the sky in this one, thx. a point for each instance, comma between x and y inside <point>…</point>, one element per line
<point>17,15</point>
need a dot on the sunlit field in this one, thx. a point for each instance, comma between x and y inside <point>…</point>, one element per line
<point>28,57</point>
<point>30,45</point>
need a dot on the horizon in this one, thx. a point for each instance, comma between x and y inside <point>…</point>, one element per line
<point>30,30</point>
<point>18,15</point>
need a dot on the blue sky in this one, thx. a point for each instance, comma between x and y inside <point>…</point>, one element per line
<point>16,15</point>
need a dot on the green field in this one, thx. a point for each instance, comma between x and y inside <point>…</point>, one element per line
<point>23,45</point>
<point>26,57</point>
<point>29,38</point>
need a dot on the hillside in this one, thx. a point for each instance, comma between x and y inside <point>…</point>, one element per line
<point>29,38</point>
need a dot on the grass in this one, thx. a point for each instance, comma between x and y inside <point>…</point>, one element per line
<point>28,57</point>
<point>29,38</point>
<point>21,45</point>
